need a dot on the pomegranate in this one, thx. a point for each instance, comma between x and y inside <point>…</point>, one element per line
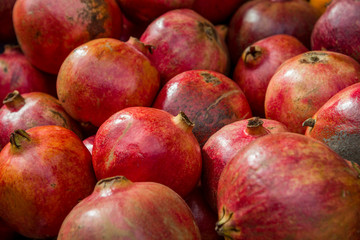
<point>38,192</point>
<point>337,123</point>
<point>148,144</point>
<point>24,111</point>
<point>223,145</point>
<point>258,64</point>
<point>288,186</point>
<point>121,209</point>
<point>183,41</point>
<point>222,30</point>
<point>89,143</point>
<point>338,29</point>
<point>217,11</point>
<point>7,33</point>
<point>145,11</point>
<point>16,73</point>
<point>210,99</point>
<point>258,19</point>
<point>104,76</point>
<point>49,30</point>
<point>204,217</point>
<point>302,84</point>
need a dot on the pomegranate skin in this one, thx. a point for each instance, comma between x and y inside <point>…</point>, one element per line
<point>145,11</point>
<point>121,209</point>
<point>210,99</point>
<point>183,40</point>
<point>337,123</point>
<point>109,75</point>
<point>255,20</point>
<point>302,84</point>
<point>24,111</point>
<point>338,29</point>
<point>258,64</point>
<point>89,143</point>
<point>16,73</point>
<point>288,186</point>
<point>148,144</point>
<point>223,145</point>
<point>7,33</point>
<point>48,31</point>
<point>38,192</point>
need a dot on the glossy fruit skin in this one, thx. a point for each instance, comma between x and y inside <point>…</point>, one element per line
<point>48,31</point>
<point>183,40</point>
<point>204,216</point>
<point>337,29</point>
<point>148,144</point>
<point>145,11</point>
<point>121,209</point>
<point>258,19</point>
<point>16,73</point>
<point>210,100</point>
<point>288,186</point>
<point>338,123</point>
<point>258,64</point>
<point>224,144</point>
<point>38,192</point>
<point>89,143</point>
<point>104,76</point>
<point>7,33</point>
<point>302,84</point>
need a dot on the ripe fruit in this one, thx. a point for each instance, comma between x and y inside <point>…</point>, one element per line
<point>7,33</point>
<point>89,143</point>
<point>121,209</point>
<point>288,186</point>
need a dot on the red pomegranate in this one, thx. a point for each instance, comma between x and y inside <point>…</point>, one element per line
<point>217,11</point>
<point>183,40</point>
<point>204,216</point>
<point>337,123</point>
<point>148,144</point>
<point>302,84</point>
<point>49,30</point>
<point>24,111</point>
<point>104,76</point>
<point>145,11</point>
<point>16,73</point>
<point>121,209</point>
<point>258,64</point>
<point>258,19</point>
<point>288,186</point>
<point>7,33</point>
<point>44,172</point>
<point>338,29</point>
<point>89,143</point>
<point>223,145</point>
<point>210,99</point>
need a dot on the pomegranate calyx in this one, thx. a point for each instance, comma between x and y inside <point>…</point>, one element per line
<point>17,137</point>
<point>14,100</point>
<point>222,228</point>
<point>255,127</point>
<point>110,181</point>
<point>310,122</point>
<point>140,46</point>
<point>183,121</point>
<point>251,54</point>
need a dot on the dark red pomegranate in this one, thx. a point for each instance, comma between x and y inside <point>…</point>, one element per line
<point>49,30</point>
<point>258,19</point>
<point>121,209</point>
<point>288,186</point>
<point>302,84</point>
<point>183,40</point>
<point>148,144</point>
<point>337,123</point>
<point>217,11</point>
<point>338,29</point>
<point>24,111</point>
<point>210,99</point>
<point>89,143</point>
<point>145,11</point>
<point>223,145</point>
<point>16,73</point>
<point>258,64</point>
<point>104,76</point>
<point>7,33</point>
<point>204,216</point>
<point>44,172</point>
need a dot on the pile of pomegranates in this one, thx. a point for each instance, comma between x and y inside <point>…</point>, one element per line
<point>180,119</point>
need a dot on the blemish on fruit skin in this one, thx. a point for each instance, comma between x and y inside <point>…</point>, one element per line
<point>208,78</point>
<point>94,16</point>
<point>209,30</point>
